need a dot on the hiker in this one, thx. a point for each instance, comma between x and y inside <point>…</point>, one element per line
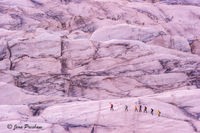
<point>145,109</point>
<point>151,111</point>
<point>136,110</point>
<point>159,112</point>
<point>140,110</point>
<point>126,107</point>
<point>111,107</point>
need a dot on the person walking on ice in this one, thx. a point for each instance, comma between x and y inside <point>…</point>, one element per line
<point>159,112</point>
<point>136,110</point>
<point>140,110</point>
<point>126,107</point>
<point>111,107</point>
<point>145,109</point>
<point>151,111</point>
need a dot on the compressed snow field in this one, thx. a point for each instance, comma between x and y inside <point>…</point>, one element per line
<point>63,62</point>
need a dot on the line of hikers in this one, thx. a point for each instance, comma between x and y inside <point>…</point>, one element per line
<point>136,109</point>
